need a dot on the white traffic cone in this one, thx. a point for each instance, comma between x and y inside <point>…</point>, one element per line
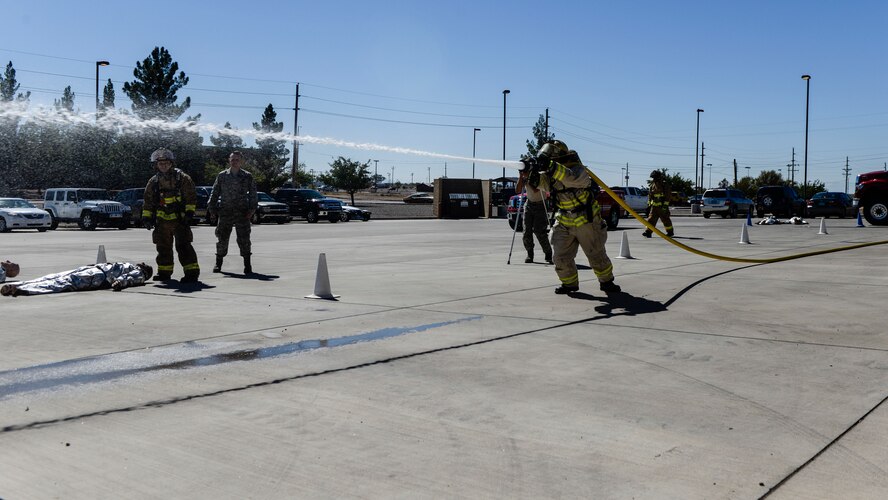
<point>744,235</point>
<point>624,247</point>
<point>822,226</point>
<point>322,282</point>
<point>100,257</point>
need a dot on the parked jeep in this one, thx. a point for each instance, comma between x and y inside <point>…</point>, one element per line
<point>871,193</point>
<point>779,200</point>
<point>309,204</point>
<point>88,207</point>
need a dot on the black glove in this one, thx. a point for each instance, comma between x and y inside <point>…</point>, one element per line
<point>542,163</point>
<point>528,164</point>
<point>148,223</point>
<point>189,217</point>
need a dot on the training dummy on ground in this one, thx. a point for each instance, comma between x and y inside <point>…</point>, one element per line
<point>114,275</point>
<point>578,220</point>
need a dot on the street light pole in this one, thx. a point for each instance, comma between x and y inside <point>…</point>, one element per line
<point>474,140</point>
<point>807,79</point>
<point>710,174</point>
<point>505,92</point>
<point>99,63</point>
<point>698,176</point>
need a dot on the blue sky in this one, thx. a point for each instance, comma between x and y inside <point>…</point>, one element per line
<point>622,80</point>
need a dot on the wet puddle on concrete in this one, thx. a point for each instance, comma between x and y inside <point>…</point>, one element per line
<point>101,368</point>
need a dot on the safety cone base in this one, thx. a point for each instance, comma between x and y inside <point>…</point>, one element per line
<point>327,297</point>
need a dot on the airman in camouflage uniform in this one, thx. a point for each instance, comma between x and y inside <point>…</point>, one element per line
<point>578,220</point>
<point>234,200</point>
<point>170,200</point>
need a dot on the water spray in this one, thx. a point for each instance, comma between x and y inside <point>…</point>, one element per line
<point>127,123</point>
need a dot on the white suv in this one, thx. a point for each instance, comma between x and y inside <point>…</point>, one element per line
<point>87,207</point>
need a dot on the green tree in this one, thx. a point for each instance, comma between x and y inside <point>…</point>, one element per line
<point>769,178</point>
<point>272,155</point>
<point>67,101</point>
<point>539,137</point>
<point>747,185</point>
<point>9,86</point>
<point>348,175</point>
<point>108,95</point>
<point>153,92</point>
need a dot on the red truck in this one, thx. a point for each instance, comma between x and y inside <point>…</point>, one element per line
<point>611,212</point>
<point>871,193</point>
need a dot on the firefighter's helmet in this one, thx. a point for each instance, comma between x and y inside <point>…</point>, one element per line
<point>554,149</point>
<point>162,154</point>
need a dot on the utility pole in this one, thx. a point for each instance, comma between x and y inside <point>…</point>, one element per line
<point>792,169</point>
<point>847,171</point>
<point>703,155</point>
<point>430,175</point>
<point>295,168</point>
<point>445,169</point>
<point>392,178</point>
<point>375,172</point>
<point>626,179</point>
<point>735,172</point>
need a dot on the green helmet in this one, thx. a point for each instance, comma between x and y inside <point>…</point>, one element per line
<point>162,154</point>
<point>554,149</point>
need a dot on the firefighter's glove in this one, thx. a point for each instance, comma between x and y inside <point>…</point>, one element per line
<point>543,161</point>
<point>528,164</point>
<point>117,285</point>
<point>148,223</point>
<point>189,217</point>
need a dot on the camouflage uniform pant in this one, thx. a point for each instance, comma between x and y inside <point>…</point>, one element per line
<point>241,226</point>
<point>591,237</point>
<point>535,224</point>
<point>660,213</point>
<point>164,236</point>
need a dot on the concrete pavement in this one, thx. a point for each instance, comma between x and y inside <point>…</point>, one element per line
<point>443,372</point>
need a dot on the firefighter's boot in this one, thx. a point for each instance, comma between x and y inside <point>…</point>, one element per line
<point>218,267</point>
<point>163,276</point>
<point>248,268</point>
<point>609,287</point>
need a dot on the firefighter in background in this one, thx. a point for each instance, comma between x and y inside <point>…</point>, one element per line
<point>659,193</point>
<point>170,200</point>
<point>578,218</point>
<point>535,219</point>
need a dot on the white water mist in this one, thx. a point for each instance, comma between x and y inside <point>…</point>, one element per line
<point>126,123</point>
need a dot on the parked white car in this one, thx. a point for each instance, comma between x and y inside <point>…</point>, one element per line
<point>18,213</point>
<point>636,197</point>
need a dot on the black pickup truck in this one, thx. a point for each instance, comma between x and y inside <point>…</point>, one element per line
<point>309,204</point>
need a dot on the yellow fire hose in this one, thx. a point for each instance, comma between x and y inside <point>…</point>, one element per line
<point>701,253</point>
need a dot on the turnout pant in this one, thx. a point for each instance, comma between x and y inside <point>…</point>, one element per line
<point>660,213</point>
<point>164,236</point>
<point>591,237</point>
<point>535,223</point>
<point>242,227</point>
